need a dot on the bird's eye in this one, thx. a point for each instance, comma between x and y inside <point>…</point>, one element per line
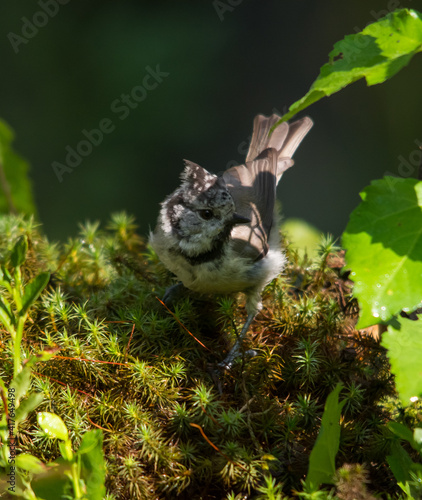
<point>206,214</point>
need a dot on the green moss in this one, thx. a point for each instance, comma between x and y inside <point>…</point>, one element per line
<point>146,376</point>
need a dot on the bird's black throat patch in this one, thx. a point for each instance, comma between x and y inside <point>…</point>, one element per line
<point>214,254</point>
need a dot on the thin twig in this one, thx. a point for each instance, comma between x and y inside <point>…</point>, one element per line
<point>216,448</point>
<point>99,426</point>
<point>182,325</point>
<point>128,344</point>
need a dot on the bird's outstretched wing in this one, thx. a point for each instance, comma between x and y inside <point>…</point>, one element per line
<point>253,185</point>
<point>253,188</point>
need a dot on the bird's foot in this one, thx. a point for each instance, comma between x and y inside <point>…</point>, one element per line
<point>174,293</point>
<point>235,351</point>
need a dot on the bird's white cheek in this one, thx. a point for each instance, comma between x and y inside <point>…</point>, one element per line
<point>166,223</point>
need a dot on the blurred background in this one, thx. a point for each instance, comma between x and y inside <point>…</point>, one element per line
<point>213,66</point>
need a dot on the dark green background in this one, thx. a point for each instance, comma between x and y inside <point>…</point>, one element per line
<point>262,56</point>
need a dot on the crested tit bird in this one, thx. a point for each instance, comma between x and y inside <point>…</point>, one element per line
<point>219,234</point>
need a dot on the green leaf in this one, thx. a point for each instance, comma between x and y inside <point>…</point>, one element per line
<point>417,436</point>
<point>383,240</point>
<point>28,405</point>
<point>6,315</point>
<point>4,432</point>
<point>33,290</point>
<point>30,463</point>
<point>5,275</point>
<point>55,484</point>
<point>303,238</point>
<point>92,460</point>
<point>18,255</point>
<point>376,53</point>
<point>322,459</point>
<point>402,432</point>
<point>52,425</point>
<point>400,463</point>
<point>42,356</point>
<point>15,187</point>
<point>20,384</point>
<point>66,450</point>
<point>404,344</point>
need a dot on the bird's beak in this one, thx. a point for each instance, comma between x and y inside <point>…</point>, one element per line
<point>240,219</point>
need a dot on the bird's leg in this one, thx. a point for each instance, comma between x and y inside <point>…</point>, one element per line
<point>173,293</point>
<point>227,363</point>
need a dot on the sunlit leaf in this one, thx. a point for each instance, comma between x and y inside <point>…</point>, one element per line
<point>30,463</point>
<point>376,53</point>
<point>383,243</point>
<point>402,432</point>
<point>404,344</point>
<point>66,449</point>
<point>92,460</point>
<point>52,425</point>
<point>417,436</point>
<point>303,237</point>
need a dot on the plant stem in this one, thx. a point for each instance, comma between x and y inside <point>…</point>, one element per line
<point>75,479</point>
<point>17,345</point>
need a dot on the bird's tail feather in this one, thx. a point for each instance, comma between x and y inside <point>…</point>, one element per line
<point>284,139</point>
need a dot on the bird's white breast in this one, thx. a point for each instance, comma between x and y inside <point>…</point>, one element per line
<point>230,273</point>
